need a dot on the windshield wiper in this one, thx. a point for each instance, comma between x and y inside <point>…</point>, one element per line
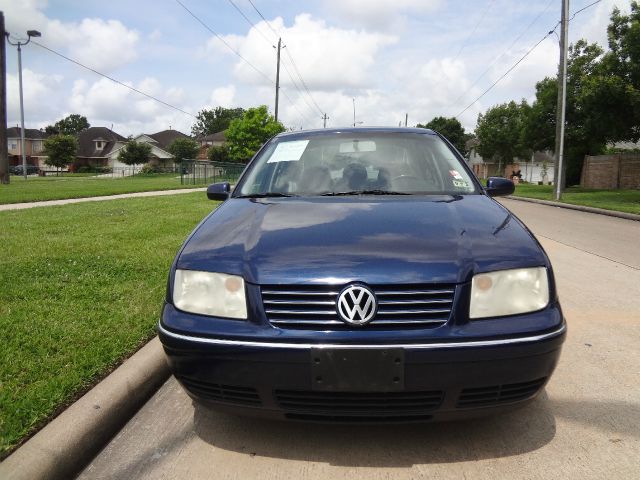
<point>363,192</point>
<point>266,195</point>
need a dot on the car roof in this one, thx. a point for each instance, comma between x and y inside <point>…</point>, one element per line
<point>326,131</point>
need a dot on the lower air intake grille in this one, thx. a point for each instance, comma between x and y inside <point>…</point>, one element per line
<point>495,395</point>
<point>399,306</point>
<point>347,404</point>
<point>222,393</point>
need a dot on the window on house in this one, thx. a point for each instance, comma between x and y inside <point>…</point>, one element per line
<point>99,145</point>
<point>13,146</point>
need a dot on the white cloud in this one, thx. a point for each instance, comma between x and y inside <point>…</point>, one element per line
<point>223,96</point>
<point>380,14</point>
<point>101,44</point>
<point>328,58</point>
<point>592,23</point>
<point>104,102</point>
<point>41,100</point>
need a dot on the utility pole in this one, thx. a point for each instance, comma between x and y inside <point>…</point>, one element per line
<point>278,78</point>
<point>406,119</point>
<point>562,101</point>
<point>4,159</point>
<point>324,118</point>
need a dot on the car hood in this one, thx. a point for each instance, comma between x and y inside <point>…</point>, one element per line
<point>376,240</point>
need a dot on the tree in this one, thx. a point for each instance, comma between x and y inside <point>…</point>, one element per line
<point>613,88</point>
<point>70,125</point>
<point>218,154</point>
<point>247,134</point>
<point>134,153</point>
<point>501,132</point>
<point>60,150</point>
<point>214,120</point>
<point>184,149</point>
<point>585,132</point>
<point>452,130</point>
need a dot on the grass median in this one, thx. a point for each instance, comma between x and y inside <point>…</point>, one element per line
<point>36,189</point>
<point>82,287</point>
<point>619,200</point>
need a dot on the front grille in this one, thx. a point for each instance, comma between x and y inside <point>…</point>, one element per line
<point>314,306</point>
<point>358,404</point>
<point>222,393</point>
<point>497,394</point>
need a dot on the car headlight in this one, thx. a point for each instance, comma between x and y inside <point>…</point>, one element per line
<point>210,293</point>
<point>509,292</point>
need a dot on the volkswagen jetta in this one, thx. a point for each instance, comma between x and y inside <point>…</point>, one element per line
<point>361,275</point>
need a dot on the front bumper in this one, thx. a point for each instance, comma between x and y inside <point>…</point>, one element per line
<point>442,379</point>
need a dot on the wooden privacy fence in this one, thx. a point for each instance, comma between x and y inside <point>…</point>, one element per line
<point>617,171</point>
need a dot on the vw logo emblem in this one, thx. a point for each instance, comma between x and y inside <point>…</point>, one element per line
<point>357,305</point>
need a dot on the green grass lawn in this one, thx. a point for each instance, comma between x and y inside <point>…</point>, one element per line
<point>54,188</point>
<point>620,200</point>
<point>82,286</point>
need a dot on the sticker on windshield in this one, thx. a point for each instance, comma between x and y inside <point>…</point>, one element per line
<point>455,174</point>
<point>460,184</point>
<point>288,151</point>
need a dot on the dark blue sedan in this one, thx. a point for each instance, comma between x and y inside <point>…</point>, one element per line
<point>361,275</point>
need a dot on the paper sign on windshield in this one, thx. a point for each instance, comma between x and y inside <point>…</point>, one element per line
<point>288,151</point>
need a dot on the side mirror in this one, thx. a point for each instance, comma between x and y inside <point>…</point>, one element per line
<point>499,187</point>
<point>218,191</point>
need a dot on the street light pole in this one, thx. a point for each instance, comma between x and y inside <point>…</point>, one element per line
<point>354,112</point>
<point>30,33</point>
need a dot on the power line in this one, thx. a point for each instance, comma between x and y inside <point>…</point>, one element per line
<point>224,42</point>
<point>583,9</point>
<point>250,22</point>
<point>495,59</point>
<point>508,71</point>
<point>265,20</point>
<point>293,63</point>
<point>253,25</point>
<point>551,32</point>
<point>295,67</point>
<point>466,40</point>
<point>113,79</point>
<point>208,28</point>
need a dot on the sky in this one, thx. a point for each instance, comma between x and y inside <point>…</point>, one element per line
<point>389,58</point>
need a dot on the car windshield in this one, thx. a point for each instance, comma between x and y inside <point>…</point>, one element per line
<point>353,163</point>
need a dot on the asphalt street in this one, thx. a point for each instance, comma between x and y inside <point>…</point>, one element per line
<point>586,425</point>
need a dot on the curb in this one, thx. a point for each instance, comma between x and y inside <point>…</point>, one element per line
<point>67,444</point>
<point>580,208</point>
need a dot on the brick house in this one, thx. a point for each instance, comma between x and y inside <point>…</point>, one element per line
<point>33,146</point>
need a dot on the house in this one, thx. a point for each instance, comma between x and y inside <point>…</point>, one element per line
<point>33,146</point>
<point>96,146</point>
<point>217,139</point>
<point>159,142</point>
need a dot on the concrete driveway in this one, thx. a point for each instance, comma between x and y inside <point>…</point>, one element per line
<point>586,425</point>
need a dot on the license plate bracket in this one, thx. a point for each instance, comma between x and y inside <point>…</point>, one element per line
<point>357,370</point>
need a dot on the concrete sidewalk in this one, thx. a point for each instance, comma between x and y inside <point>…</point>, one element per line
<point>66,201</point>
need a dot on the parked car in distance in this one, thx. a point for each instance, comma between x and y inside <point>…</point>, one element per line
<point>18,170</point>
<point>361,275</point>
